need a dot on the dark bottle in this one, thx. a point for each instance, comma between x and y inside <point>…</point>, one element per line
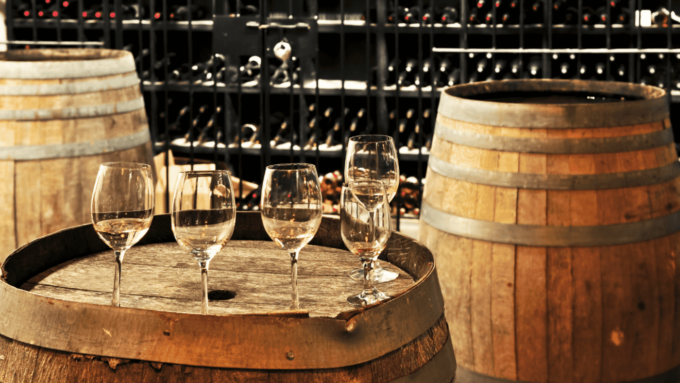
<point>589,16</point>
<point>23,10</point>
<point>623,16</point>
<point>660,17</point>
<point>473,17</point>
<point>445,65</point>
<point>565,69</point>
<point>535,66</point>
<point>482,65</point>
<point>411,65</point>
<point>404,79</point>
<point>651,69</point>
<point>196,127</point>
<point>430,15</point>
<point>397,15</point>
<point>285,134</point>
<point>372,16</point>
<point>332,135</point>
<point>481,3</point>
<point>412,15</point>
<point>449,15</point>
<point>535,13</point>
<point>571,16</point>
<point>583,71</point>
<point>453,77</point>
<point>211,131</point>
<point>500,66</point>
<point>183,12</point>
<point>600,68</point>
<point>621,71</point>
<point>602,15</point>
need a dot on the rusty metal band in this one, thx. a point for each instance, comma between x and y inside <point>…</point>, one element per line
<point>439,369</point>
<point>556,145</point>
<point>456,103</point>
<point>73,112</point>
<point>76,149</point>
<point>553,236</point>
<point>96,85</point>
<point>231,341</point>
<point>45,64</point>
<point>556,181</point>
<point>463,375</point>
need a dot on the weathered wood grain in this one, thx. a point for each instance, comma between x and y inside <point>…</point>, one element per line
<point>165,277</point>
<point>29,364</point>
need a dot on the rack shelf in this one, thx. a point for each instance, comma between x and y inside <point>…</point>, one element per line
<point>358,26</point>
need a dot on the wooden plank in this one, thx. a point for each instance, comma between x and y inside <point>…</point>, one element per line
<point>72,201</point>
<point>21,363</point>
<point>7,223</point>
<point>503,310</point>
<point>531,311</point>
<point>587,328</point>
<point>52,195</point>
<point>503,276</point>
<point>480,316</point>
<point>481,281</point>
<point>454,263</point>
<point>665,275</point>
<point>164,277</point>
<point>560,302</point>
<point>675,250</point>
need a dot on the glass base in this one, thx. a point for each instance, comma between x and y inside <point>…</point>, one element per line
<point>367,298</point>
<point>380,275</point>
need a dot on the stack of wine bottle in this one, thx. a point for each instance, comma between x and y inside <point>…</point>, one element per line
<point>507,12</point>
<point>331,188</point>
<point>485,67</point>
<point>323,130</point>
<point>216,69</point>
<point>65,9</point>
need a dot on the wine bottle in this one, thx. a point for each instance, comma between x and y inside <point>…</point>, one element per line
<point>473,17</point>
<point>600,69</point>
<point>571,16</point>
<point>516,65</point>
<point>651,69</point>
<point>454,77</point>
<point>601,15</point>
<point>623,17</point>
<point>589,16</point>
<point>499,66</point>
<point>208,132</point>
<point>482,65</point>
<point>564,69</point>
<point>412,15</point>
<point>535,13</point>
<point>621,71</point>
<point>183,12</point>
<point>449,15</point>
<point>404,79</point>
<point>397,15</point>
<point>535,65</point>
<point>660,17</point>
<point>445,65</point>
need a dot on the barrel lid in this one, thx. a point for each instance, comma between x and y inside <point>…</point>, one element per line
<point>64,63</point>
<point>626,104</point>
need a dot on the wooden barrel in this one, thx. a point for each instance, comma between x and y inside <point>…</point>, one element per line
<point>553,210</point>
<point>64,112</point>
<point>56,321</point>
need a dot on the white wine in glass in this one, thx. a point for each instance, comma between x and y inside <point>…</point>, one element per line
<point>122,209</point>
<point>373,158</point>
<point>291,211</point>
<point>365,228</point>
<point>203,215</point>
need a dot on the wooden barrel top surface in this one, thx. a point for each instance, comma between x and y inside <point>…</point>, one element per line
<point>165,277</point>
<point>55,293</point>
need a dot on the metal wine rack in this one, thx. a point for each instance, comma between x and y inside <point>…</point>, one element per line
<point>342,52</point>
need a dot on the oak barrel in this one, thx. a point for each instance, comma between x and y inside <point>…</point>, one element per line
<point>64,112</point>
<point>553,210</point>
<point>56,320</point>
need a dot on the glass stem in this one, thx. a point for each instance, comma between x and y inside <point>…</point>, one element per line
<point>371,216</point>
<point>204,284</point>
<point>293,277</point>
<point>368,282</point>
<point>115,300</point>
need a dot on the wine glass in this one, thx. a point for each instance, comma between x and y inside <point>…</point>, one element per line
<point>203,215</point>
<point>122,209</point>
<point>291,210</point>
<point>373,158</point>
<point>365,228</point>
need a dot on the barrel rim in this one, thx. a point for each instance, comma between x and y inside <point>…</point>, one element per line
<point>180,338</point>
<point>86,63</point>
<point>60,54</point>
<point>650,108</point>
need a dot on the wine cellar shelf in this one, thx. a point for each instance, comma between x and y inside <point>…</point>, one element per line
<point>218,88</point>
